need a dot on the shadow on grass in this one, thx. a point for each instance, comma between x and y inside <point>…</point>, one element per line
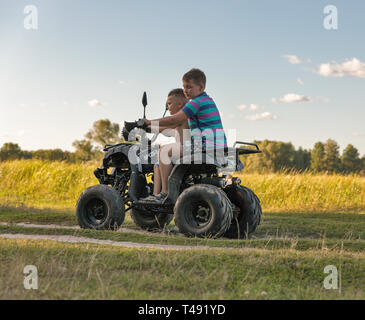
<point>65,217</point>
<point>36,215</point>
<point>313,225</point>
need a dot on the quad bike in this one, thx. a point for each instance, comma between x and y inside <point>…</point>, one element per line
<point>204,200</point>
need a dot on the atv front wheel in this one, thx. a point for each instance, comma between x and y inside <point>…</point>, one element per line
<point>100,207</point>
<point>248,214</point>
<point>203,210</point>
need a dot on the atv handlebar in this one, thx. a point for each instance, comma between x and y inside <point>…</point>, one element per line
<point>140,124</point>
<point>129,126</point>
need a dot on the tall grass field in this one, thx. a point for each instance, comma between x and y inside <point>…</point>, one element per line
<point>309,222</point>
<point>57,185</point>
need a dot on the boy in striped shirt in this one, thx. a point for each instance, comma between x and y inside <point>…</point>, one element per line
<point>204,123</point>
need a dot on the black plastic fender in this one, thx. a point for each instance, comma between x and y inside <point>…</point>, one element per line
<point>117,157</point>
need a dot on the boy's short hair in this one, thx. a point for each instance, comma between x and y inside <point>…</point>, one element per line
<point>196,75</point>
<point>177,92</point>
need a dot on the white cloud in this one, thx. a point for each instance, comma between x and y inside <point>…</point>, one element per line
<point>251,107</point>
<point>255,107</point>
<point>293,97</point>
<point>351,68</point>
<point>242,107</point>
<point>261,116</point>
<point>292,59</point>
<point>121,82</point>
<point>227,115</point>
<point>358,134</point>
<point>300,81</point>
<point>95,103</point>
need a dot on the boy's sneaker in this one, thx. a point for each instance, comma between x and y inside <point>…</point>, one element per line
<point>160,198</point>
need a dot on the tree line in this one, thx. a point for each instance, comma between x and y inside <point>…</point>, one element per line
<point>90,148</point>
<point>276,155</point>
<point>324,157</point>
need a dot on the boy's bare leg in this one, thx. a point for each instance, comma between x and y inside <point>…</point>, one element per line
<point>165,172</point>
<point>166,152</point>
<point>156,180</point>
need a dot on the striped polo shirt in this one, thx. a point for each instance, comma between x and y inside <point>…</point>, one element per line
<point>205,121</point>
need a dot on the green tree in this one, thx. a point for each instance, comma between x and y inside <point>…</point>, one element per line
<point>318,157</point>
<point>27,154</point>
<point>302,159</point>
<point>275,156</point>
<point>332,160</point>
<point>362,171</point>
<point>282,155</point>
<point>49,154</point>
<point>70,156</point>
<point>10,151</point>
<point>84,150</point>
<point>350,159</point>
<point>103,132</point>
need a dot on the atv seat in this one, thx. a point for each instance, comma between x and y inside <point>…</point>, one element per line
<point>221,157</point>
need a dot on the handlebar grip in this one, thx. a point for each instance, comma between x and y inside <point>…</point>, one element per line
<point>141,124</point>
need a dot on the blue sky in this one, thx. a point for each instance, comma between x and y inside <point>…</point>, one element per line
<point>91,60</point>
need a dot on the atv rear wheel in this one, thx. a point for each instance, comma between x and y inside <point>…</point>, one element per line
<point>203,210</point>
<point>150,221</point>
<point>100,207</point>
<point>248,214</point>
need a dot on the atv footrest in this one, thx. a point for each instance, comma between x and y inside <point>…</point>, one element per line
<point>151,205</point>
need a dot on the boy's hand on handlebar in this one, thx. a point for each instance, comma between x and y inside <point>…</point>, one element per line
<point>147,122</point>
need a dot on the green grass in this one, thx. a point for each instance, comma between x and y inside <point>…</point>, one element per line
<point>282,192</point>
<point>290,225</point>
<point>57,185</point>
<point>33,215</point>
<point>309,221</point>
<point>87,271</point>
<point>301,231</point>
<point>272,243</point>
<point>43,184</point>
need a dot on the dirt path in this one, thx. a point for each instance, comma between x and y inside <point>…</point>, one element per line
<point>32,225</point>
<point>127,244</point>
<point>173,230</point>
